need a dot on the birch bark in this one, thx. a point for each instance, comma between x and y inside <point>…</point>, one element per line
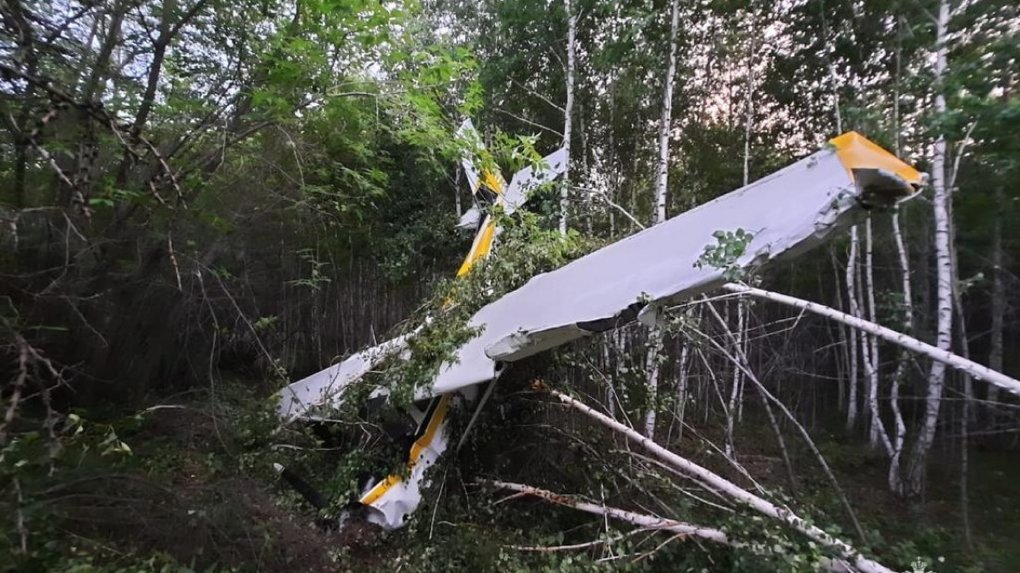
<point>914,483</point>
<point>568,113</point>
<point>661,181</point>
<point>855,336</point>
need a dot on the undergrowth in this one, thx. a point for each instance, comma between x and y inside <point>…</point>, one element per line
<point>188,485</point>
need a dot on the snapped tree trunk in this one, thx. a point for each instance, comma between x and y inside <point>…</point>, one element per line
<point>734,492</point>
<point>971,368</point>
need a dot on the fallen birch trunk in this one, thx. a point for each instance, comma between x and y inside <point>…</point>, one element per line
<point>842,549</point>
<point>644,523</point>
<point>970,367</point>
<point>647,522</point>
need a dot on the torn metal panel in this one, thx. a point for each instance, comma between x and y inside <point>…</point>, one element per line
<point>490,188</point>
<point>389,501</point>
<point>529,178</point>
<point>467,133</point>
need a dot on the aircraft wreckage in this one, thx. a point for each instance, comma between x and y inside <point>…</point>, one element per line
<point>787,212</point>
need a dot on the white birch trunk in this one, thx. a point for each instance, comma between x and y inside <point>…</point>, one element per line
<point>661,184</point>
<point>568,113</point>
<point>731,409</point>
<point>665,119</point>
<point>904,358</point>
<point>915,477</point>
<point>877,434</point>
<point>855,336</point>
<point>682,390</point>
<point>903,259</point>
<point>749,103</point>
<point>652,366</point>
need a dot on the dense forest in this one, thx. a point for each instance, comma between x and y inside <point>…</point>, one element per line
<point>202,201</point>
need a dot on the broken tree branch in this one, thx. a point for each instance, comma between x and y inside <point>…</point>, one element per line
<point>647,522</point>
<point>735,492</point>
<point>944,356</point>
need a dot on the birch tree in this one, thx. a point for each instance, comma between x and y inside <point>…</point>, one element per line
<point>665,119</point>
<point>661,183</point>
<point>568,111</point>
<point>914,482</point>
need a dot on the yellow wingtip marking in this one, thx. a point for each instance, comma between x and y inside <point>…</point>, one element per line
<point>856,151</point>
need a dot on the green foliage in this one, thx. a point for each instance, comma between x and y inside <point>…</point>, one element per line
<point>524,250</point>
<point>724,255</point>
<point>307,200</point>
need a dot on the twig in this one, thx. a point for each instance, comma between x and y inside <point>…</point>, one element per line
<point>173,260</point>
<point>18,385</point>
<point>529,122</point>
<point>539,96</point>
<point>575,546</point>
<point>605,197</point>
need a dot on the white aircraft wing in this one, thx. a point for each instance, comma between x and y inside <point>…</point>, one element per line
<point>787,212</point>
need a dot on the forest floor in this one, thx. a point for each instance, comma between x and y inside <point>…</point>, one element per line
<point>195,492</point>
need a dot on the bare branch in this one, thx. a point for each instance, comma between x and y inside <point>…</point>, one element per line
<point>944,356</point>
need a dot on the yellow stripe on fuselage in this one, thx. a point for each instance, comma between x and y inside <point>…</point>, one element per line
<point>416,450</point>
<point>480,249</point>
<point>482,244</point>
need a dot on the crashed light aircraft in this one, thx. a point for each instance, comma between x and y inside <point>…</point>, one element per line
<point>787,212</point>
